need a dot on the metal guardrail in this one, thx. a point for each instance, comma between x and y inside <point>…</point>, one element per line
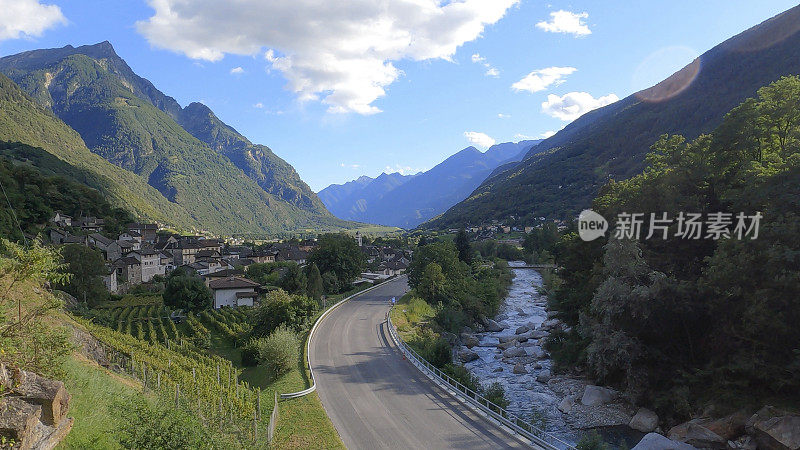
<point>476,401</point>
<point>311,335</point>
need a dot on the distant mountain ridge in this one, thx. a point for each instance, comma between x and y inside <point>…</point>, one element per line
<point>406,201</point>
<point>566,171</point>
<point>227,184</point>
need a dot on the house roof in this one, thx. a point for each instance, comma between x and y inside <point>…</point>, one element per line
<point>101,239</point>
<point>126,261</point>
<point>225,273</point>
<point>233,283</point>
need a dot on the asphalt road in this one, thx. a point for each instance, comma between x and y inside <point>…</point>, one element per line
<point>375,398</point>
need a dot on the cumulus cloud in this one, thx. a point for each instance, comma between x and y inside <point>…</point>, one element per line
<point>402,170</point>
<point>566,22</point>
<point>570,106</point>
<point>237,71</point>
<point>340,53</point>
<point>547,134</point>
<point>541,79</point>
<point>20,18</point>
<point>482,140</point>
<point>490,70</point>
<point>258,105</point>
<point>503,116</point>
<point>350,166</point>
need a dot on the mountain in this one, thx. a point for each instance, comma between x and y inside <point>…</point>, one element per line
<point>407,201</point>
<point>62,152</point>
<point>568,169</point>
<point>354,198</point>
<point>226,183</point>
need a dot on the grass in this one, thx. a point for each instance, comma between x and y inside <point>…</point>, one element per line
<point>409,313</point>
<point>94,392</point>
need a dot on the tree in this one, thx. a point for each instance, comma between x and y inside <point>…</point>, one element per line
<point>314,286</point>
<point>464,247</point>
<point>281,308</point>
<point>431,285</point>
<point>86,267</point>
<point>339,253</point>
<point>331,283</point>
<point>293,280</point>
<point>186,291</point>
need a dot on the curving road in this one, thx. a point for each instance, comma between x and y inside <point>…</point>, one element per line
<point>375,399</point>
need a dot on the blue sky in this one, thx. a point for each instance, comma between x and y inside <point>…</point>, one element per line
<point>435,70</point>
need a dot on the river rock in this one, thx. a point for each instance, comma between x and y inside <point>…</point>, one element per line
<point>501,317</point>
<point>467,356</point>
<point>466,330</point>
<point>536,352</point>
<point>522,329</point>
<point>566,404</point>
<point>644,420</point>
<point>493,326</point>
<point>451,338</point>
<point>507,345</point>
<point>469,340</point>
<point>515,352</point>
<point>597,395</point>
<point>745,442</point>
<point>694,433</point>
<point>775,430</point>
<point>504,339</point>
<point>543,376</point>
<point>479,328</point>
<point>550,324</point>
<point>497,369</point>
<point>729,427</point>
<point>538,334</point>
<point>655,441</point>
<point>519,369</point>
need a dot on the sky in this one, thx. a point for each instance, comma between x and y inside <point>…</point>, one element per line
<point>344,89</point>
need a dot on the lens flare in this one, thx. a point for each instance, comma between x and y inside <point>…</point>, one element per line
<point>661,63</point>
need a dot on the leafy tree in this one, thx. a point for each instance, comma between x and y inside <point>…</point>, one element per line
<point>186,291</point>
<point>331,283</point>
<point>314,287</point>
<point>280,351</point>
<point>86,268</point>
<point>463,246</point>
<point>293,279</point>
<point>339,253</point>
<point>432,284</point>
<point>280,308</point>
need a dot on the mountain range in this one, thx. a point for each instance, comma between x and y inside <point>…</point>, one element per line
<point>566,171</point>
<point>407,200</point>
<point>199,172</point>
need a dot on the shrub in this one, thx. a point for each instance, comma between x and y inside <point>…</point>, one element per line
<point>279,351</point>
<point>432,348</point>
<point>496,394</point>
<point>141,425</point>
<point>250,352</point>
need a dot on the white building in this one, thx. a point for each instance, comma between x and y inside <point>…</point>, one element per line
<point>233,292</point>
<point>151,263</point>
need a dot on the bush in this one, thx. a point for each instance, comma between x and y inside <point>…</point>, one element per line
<point>141,425</point>
<point>279,351</point>
<point>496,394</point>
<point>432,348</point>
<point>250,352</point>
<point>591,441</point>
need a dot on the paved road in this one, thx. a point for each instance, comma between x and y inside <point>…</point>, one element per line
<point>378,400</point>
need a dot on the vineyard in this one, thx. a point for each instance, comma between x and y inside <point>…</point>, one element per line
<point>188,375</point>
<point>152,322</point>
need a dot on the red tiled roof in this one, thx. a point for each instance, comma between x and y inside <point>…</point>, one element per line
<point>233,283</point>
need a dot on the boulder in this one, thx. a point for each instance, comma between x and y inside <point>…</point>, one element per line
<point>519,369</point>
<point>469,340</point>
<point>536,352</point>
<point>566,404</point>
<point>466,330</point>
<point>522,329</point>
<point>493,326</point>
<point>644,420</point>
<point>765,413</point>
<point>451,338</point>
<point>49,394</point>
<point>744,442</point>
<point>778,433</point>
<point>597,395</point>
<point>655,441</point>
<point>543,376</point>
<point>504,339</point>
<point>729,427</point>
<point>18,419</point>
<point>515,352</point>
<point>506,345</point>
<point>538,334</point>
<point>497,369</point>
<point>467,355</point>
<point>695,433</point>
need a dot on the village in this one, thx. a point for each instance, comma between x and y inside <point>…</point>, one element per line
<point>145,253</point>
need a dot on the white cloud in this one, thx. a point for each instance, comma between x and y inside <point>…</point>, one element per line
<point>570,106</point>
<point>490,70</point>
<point>523,137</point>
<point>503,116</point>
<point>402,170</point>
<point>350,166</point>
<point>237,71</point>
<point>566,22</point>
<point>340,53</point>
<point>482,140</point>
<point>541,79</point>
<point>20,18</point>
<point>547,134</point>
<point>258,105</point>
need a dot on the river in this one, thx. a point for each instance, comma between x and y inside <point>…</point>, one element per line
<point>527,397</point>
